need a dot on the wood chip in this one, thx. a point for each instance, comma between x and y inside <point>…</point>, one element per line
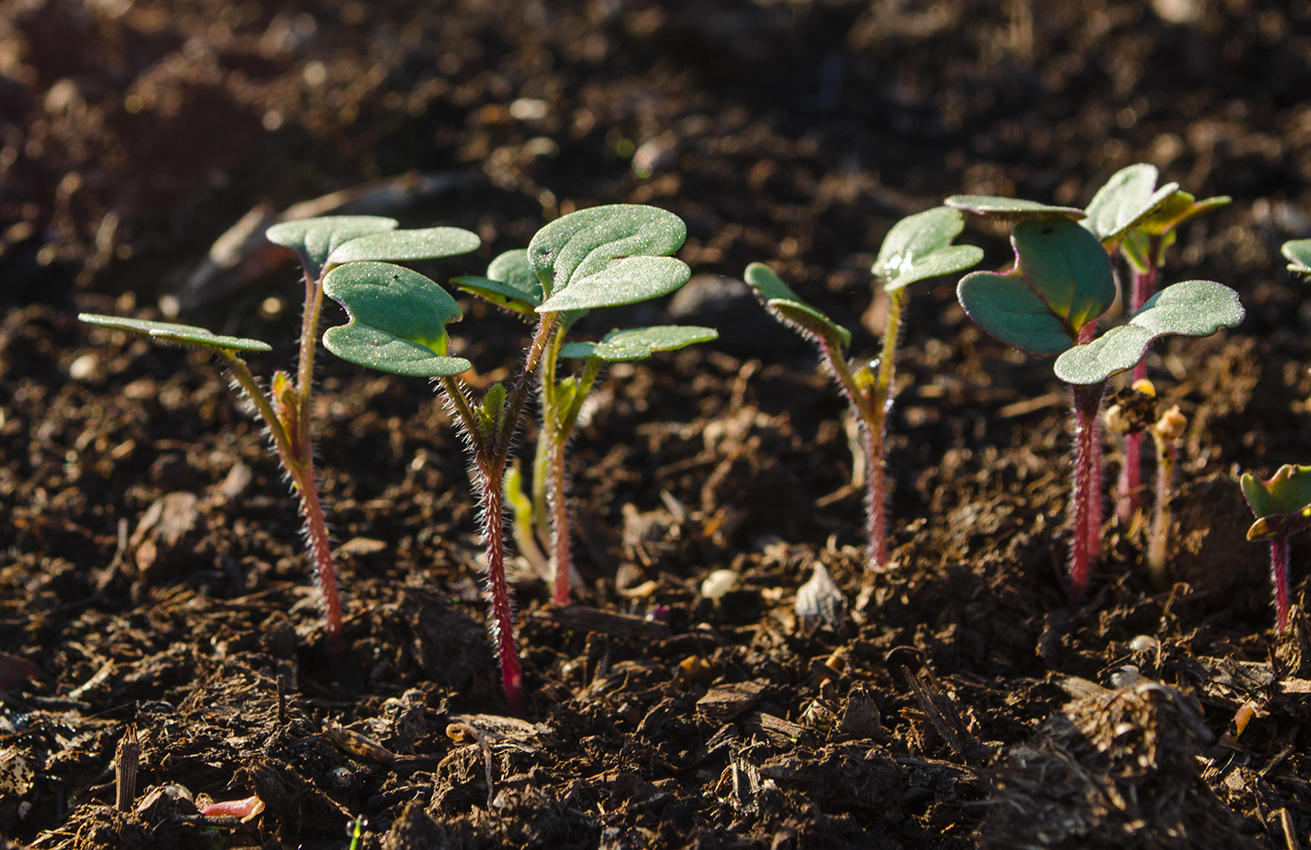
<point>580,618</point>
<point>725,702</point>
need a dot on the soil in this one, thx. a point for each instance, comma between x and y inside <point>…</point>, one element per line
<point>154,596</point>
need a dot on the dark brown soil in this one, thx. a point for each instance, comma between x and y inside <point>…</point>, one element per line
<point>153,578</point>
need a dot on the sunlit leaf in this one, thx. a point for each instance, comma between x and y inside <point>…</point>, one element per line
<point>1126,200</point>
<point>1192,308</point>
<point>313,239</point>
<point>637,343</point>
<point>171,332</point>
<point>398,320</point>
<point>402,245</point>
<point>1298,254</point>
<point>606,256</point>
<point>1010,209</point>
<point>791,308</point>
<point>919,247</point>
<point>509,282</point>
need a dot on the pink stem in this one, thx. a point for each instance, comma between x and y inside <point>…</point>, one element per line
<point>1128,492</point>
<point>560,555</point>
<point>316,532</point>
<point>1086,500</point>
<point>1279,574</point>
<point>498,588</point>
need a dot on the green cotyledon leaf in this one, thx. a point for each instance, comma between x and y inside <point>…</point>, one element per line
<point>1010,209</point>
<point>788,306</point>
<point>1281,504</point>
<point>919,247</point>
<point>313,239</point>
<point>1192,308</point>
<point>1298,254</point>
<point>638,343</point>
<point>1062,279</point>
<point>606,256</point>
<point>397,323</point>
<point>391,246</point>
<point>509,282</point>
<point>171,332</point>
<point>1126,200</point>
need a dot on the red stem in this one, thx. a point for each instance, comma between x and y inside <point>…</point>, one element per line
<point>1279,574</point>
<point>1086,500</point>
<point>1128,492</point>
<point>498,588</point>
<point>316,533</point>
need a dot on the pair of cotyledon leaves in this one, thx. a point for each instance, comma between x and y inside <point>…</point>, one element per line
<point>321,244</point>
<point>916,248</point>
<point>1063,279</point>
<point>600,257</point>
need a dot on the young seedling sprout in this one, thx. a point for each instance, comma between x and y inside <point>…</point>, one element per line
<point>1133,217</point>
<point>324,245</point>
<point>599,257</point>
<point>1048,304</point>
<point>510,283</point>
<point>1282,506</point>
<point>916,248</point>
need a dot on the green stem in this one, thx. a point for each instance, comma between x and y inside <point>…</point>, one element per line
<point>871,420</point>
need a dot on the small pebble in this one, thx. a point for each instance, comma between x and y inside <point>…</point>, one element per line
<point>1126,677</point>
<point>84,368</point>
<point>1144,643</point>
<point>717,584</point>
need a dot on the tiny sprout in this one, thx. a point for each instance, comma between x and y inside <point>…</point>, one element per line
<point>331,245</point>
<point>1166,433</point>
<point>1049,304</point>
<point>599,257</point>
<point>1282,506</point>
<point>916,248</point>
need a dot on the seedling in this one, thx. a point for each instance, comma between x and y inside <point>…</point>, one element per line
<point>1282,506</point>
<point>1048,304</point>
<point>600,257</point>
<point>1139,221</point>
<point>511,283</point>
<point>916,248</point>
<point>324,245</point>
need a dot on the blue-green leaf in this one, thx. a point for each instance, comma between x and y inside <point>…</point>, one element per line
<point>638,343</point>
<point>606,256</point>
<point>1010,209</point>
<point>1192,308</point>
<point>313,239</point>
<point>509,282</point>
<point>402,245</point>
<point>919,247</point>
<point>1062,280</point>
<point>792,309</point>
<point>1126,200</point>
<point>171,332</point>
<point>398,320</point>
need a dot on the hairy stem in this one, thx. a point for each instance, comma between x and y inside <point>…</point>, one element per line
<point>316,533</point>
<point>1159,542</point>
<point>501,622</point>
<point>871,417</point>
<point>1279,575</point>
<point>561,561</point>
<point>1086,500</point>
<point>300,466</point>
<point>1128,491</point>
